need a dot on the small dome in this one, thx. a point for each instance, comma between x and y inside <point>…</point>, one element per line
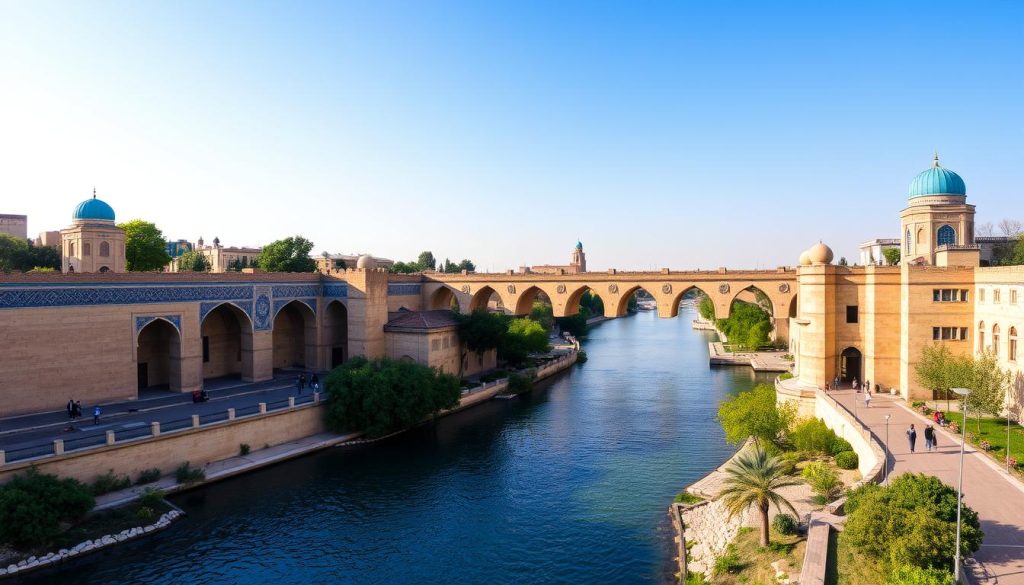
<point>805,258</point>
<point>820,254</point>
<point>937,181</point>
<point>92,210</point>
<point>366,261</point>
<point>579,245</point>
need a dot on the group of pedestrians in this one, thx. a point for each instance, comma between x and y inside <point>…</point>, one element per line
<point>74,409</point>
<point>931,438</point>
<point>314,383</point>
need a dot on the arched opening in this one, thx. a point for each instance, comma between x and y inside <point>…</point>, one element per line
<point>104,249</point>
<point>294,336</point>
<point>158,356</point>
<point>849,365</point>
<point>104,269</point>
<point>755,296</point>
<point>692,300</point>
<point>981,337</point>
<point>586,302</point>
<point>529,298</point>
<point>995,340</point>
<point>336,332</point>
<point>946,236</point>
<point>488,299</point>
<point>1011,353</point>
<point>793,308</point>
<point>444,298</point>
<point>86,249</point>
<point>227,343</point>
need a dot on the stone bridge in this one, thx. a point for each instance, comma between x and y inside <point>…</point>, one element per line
<point>517,291</point>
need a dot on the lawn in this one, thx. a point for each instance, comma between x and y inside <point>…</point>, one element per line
<point>993,430</point>
<point>846,566</point>
<point>749,562</point>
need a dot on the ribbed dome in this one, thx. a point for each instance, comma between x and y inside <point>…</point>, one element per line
<point>93,209</point>
<point>937,181</point>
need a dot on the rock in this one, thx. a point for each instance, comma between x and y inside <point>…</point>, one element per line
<point>32,559</point>
<point>148,529</point>
<point>62,551</point>
<point>12,568</point>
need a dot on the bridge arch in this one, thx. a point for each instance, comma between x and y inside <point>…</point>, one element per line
<point>677,299</point>
<point>482,300</point>
<point>226,336</point>
<point>572,301</point>
<point>294,336</point>
<point>532,293</point>
<point>444,298</point>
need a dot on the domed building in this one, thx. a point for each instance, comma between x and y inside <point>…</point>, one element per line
<point>92,243</point>
<point>937,222</point>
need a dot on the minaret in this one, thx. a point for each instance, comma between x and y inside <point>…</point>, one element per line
<point>579,258</point>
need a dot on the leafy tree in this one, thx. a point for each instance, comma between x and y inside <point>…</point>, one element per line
<point>543,313</point>
<point>591,305</point>
<point>843,262</point>
<point>755,478</point>
<point>940,370</point>
<point>466,265</point>
<point>287,255</point>
<point>237,265</point>
<point>426,260</point>
<point>20,254</point>
<point>892,256</point>
<point>404,267</point>
<point>33,504</point>
<point>755,413</point>
<point>145,248</point>
<point>482,330</point>
<point>193,261</point>
<point>748,325</point>
<point>823,480</point>
<point>911,575</point>
<point>573,324</point>
<point>910,522</point>
<point>706,308</point>
<point>524,336</point>
<point>383,396</point>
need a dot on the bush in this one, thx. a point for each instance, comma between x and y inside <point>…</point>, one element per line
<point>383,396</point>
<point>33,504</point>
<point>784,524</point>
<point>813,435</point>
<point>148,476</point>
<point>728,562</point>
<point>244,449</point>
<point>847,460</point>
<point>917,404</point>
<point>786,375</point>
<point>985,445</point>
<point>912,575</point>
<point>494,375</point>
<point>838,446</point>
<point>685,497</point>
<point>151,498</point>
<point>910,522</point>
<point>696,579</point>
<point>581,357</point>
<point>145,513</point>
<point>186,474</point>
<point>754,413</point>
<point>823,481</point>
<point>518,384</point>
<point>108,482</point>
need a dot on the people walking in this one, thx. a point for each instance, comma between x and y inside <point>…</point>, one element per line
<point>77,410</point>
<point>835,383</point>
<point>71,408</point>
<point>855,385</point>
<point>299,383</point>
<point>96,414</point>
<point>314,383</point>
<point>867,398</point>
<point>912,437</point>
<point>929,437</point>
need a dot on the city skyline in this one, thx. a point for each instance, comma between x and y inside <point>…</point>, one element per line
<point>671,136</point>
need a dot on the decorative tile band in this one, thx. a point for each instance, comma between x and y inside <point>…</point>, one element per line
<point>141,322</point>
<point>404,289</point>
<point>61,296</point>
<point>337,290</point>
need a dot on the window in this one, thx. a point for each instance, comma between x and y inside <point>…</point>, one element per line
<point>104,248</point>
<point>996,294</point>
<point>963,295</point>
<point>949,295</point>
<point>1013,296</point>
<point>71,249</point>
<point>1011,354</point>
<point>981,337</point>
<point>995,340</point>
<point>851,313</point>
<point>981,295</point>
<point>87,249</point>
<point>947,236</point>
<point>206,349</point>
<point>907,245</point>
<point>949,333</point>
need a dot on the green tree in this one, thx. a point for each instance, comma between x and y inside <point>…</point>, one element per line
<point>755,478</point>
<point>42,257</point>
<point>910,522</point>
<point>404,267</point>
<point>466,265</point>
<point>12,253</point>
<point>755,413</point>
<point>33,505</point>
<point>287,255</point>
<point>524,336</point>
<point>911,575</point>
<point>543,313</point>
<point>383,396</point>
<point>940,370</point>
<point>426,260</point>
<point>481,330</point>
<point>145,248</point>
<point>892,256</point>
<point>706,308</point>
<point>193,261</point>
<point>748,325</point>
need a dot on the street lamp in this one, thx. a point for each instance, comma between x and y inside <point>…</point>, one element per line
<point>885,481</point>
<point>960,484</point>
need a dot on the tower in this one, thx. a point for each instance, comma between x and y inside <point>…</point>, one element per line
<point>937,227</point>
<point>92,243</point>
<point>579,258</point>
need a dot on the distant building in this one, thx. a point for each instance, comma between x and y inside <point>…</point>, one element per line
<point>51,239</point>
<point>431,338</point>
<point>14,225</point>
<point>179,247</point>
<point>221,259</point>
<point>577,264</point>
<point>328,262</point>
<point>872,251</point>
<point>92,243</point>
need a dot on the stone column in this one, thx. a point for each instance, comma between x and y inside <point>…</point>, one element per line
<point>367,311</point>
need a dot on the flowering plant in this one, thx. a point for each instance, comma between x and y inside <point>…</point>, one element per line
<point>985,445</point>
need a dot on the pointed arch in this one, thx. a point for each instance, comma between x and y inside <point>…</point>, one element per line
<point>226,335</point>
<point>482,300</point>
<point>689,290</point>
<point>981,337</point>
<point>444,298</point>
<point>336,333</point>
<point>294,336</point>
<point>524,305</point>
<point>755,295</point>
<point>572,303</point>
<point>158,355</point>
<point>995,339</point>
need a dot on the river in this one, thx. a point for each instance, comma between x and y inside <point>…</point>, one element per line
<point>568,485</point>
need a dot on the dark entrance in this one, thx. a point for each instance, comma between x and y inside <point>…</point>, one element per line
<point>849,366</point>
<point>143,376</point>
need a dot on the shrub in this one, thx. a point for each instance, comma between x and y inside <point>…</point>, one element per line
<point>494,375</point>
<point>823,481</point>
<point>685,497</point>
<point>917,404</point>
<point>985,445</point>
<point>108,482</point>
<point>244,449</point>
<point>788,357</point>
<point>786,375</point>
<point>754,413</point>
<point>728,562</point>
<point>784,524</point>
<point>148,476</point>
<point>696,579</point>
<point>813,435</point>
<point>954,427</point>
<point>913,575</point>
<point>838,446</point>
<point>847,460</point>
<point>151,498</point>
<point>518,384</point>
<point>33,504</point>
<point>581,357</point>
<point>145,513</point>
<point>186,474</point>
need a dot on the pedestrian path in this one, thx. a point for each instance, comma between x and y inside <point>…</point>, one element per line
<point>997,497</point>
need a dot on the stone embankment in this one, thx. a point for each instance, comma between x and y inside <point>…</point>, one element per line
<point>760,361</point>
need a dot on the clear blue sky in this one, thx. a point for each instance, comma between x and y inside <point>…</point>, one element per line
<point>680,134</point>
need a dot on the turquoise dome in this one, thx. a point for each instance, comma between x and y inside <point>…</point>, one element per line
<point>93,209</point>
<point>937,181</point>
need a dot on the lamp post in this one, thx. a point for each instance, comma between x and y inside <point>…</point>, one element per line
<point>885,480</point>
<point>960,484</point>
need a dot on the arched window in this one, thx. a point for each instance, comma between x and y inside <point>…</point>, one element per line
<point>87,249</point>
<point>947,236</point>
<point>71,249</point>
<point>105,269</point>
<point>995,340</point>
<point>104,248</point>
<point>981,337</point>
<point>1012,353</point>
<point>907,246</point>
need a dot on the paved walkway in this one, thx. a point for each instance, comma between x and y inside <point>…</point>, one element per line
<point>998,499</point>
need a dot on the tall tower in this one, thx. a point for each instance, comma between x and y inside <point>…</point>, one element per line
<point>579,258</point>
<point>92,243</point>
<point>937,227</point>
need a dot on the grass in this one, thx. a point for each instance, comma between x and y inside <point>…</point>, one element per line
<point>752,563</point>
<point>846,566</point>
<point>100,524</point>
<point>685,497</point>
<point>993,430</point>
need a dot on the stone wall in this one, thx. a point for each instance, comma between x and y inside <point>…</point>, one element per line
<point>709,529</point>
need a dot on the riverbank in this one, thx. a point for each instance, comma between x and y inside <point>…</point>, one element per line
<point>759,361</point>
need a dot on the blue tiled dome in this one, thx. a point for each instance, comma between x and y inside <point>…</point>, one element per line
<point>937,181</point>
<point>93,209</point>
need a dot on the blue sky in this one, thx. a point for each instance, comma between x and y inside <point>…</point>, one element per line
<point>679,134</point>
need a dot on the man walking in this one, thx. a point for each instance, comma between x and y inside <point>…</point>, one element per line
<point>96,415</point>
<point>71,408</point>
<point>912,437</point>
<point>867,398</point>
<point>929,438</point>
<point>76,410</point>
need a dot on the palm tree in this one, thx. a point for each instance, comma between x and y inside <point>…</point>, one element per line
<point>755,479</point>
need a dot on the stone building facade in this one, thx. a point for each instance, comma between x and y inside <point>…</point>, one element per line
<point>14,225</point>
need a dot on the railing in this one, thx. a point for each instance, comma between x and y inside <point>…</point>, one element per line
<point>142,430</point>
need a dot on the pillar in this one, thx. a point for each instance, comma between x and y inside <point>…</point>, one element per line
<point>367,311</point>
